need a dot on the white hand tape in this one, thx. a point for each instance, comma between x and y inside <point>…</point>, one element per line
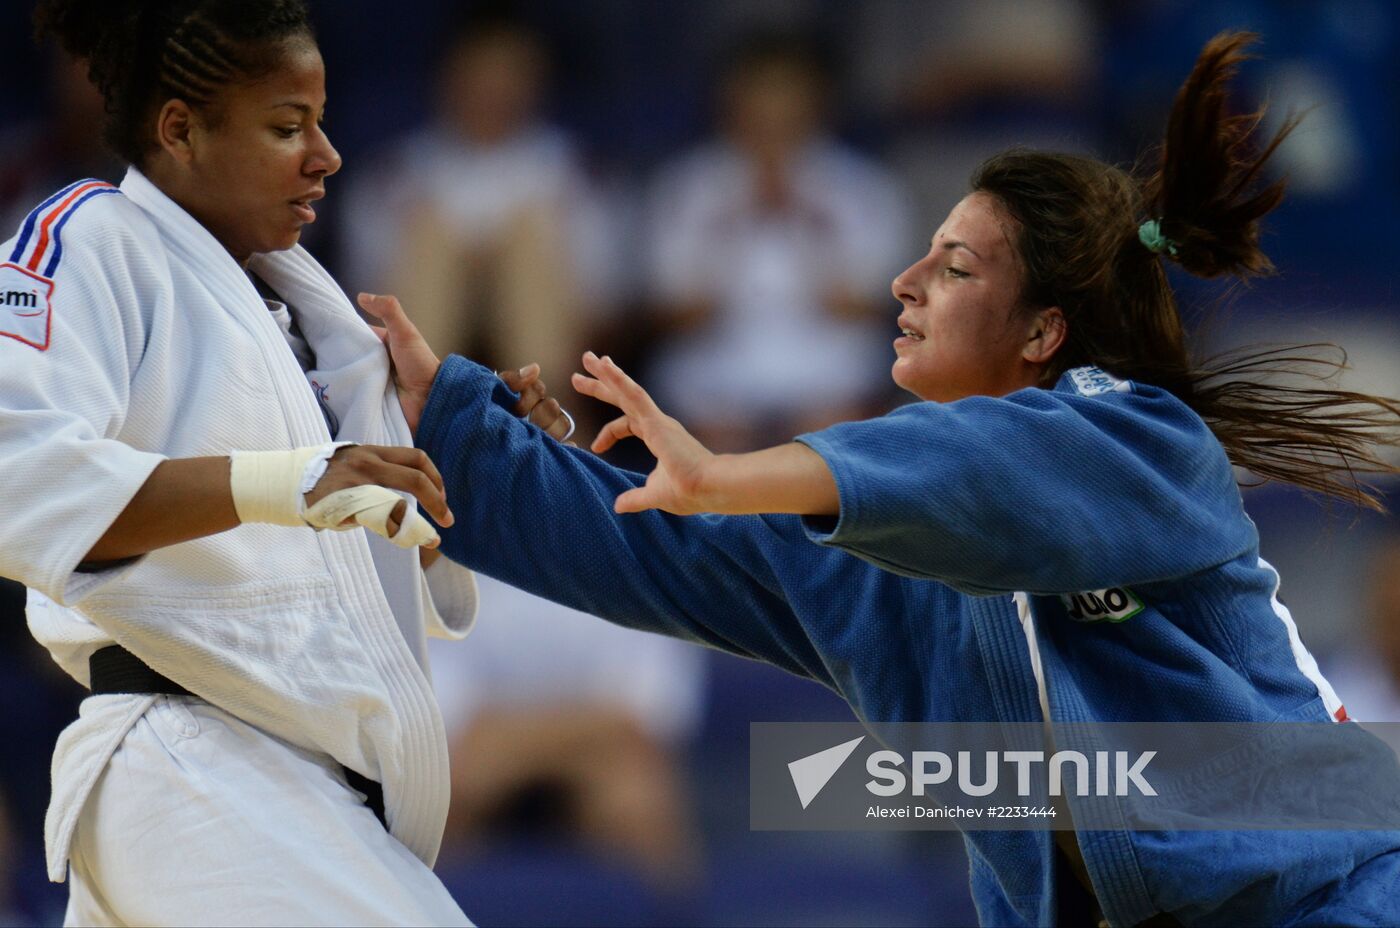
<point>267,485</point>
<point>370,506</point>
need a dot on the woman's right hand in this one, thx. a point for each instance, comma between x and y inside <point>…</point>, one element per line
<point>406,469</point>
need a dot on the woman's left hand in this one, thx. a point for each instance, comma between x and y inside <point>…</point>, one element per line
<point>678,483</point>
<point>415,367</point>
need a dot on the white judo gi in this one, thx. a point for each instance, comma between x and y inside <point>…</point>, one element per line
<point>128,334</point>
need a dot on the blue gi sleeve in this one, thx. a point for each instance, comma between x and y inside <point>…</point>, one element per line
<point>1043,491</point>
<point>538,515</point>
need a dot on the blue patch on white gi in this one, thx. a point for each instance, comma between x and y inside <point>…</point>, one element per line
<point>1091,381</point>
<point>332,420</point>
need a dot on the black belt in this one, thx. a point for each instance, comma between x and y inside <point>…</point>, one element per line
<point>116,670</point>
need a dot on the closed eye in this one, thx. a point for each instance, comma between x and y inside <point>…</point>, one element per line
<point>956,272</point>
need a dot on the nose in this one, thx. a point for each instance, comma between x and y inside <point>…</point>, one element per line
<point>906,286</point>
<point>322,160</point>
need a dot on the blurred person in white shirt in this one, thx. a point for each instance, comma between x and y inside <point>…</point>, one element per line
<point>1367,670</point>
<point>771,249</point>
<point>484,221</point>
<point>571,728</point>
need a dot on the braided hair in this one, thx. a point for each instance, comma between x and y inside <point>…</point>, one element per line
<point>141,53</point>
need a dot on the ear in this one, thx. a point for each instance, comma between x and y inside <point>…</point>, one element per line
<point>175,130</point>
<point>1045,336</point>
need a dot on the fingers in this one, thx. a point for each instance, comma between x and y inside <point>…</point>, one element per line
<point>611,384</point>
<point>416,532</point>
<point>611,434</point>
<point>378,509</point>
<point>626,389</point>
<point>532,396</point>
<point>586,385</point>
<point>395,518</point>
<point>551,417</point>
<point>533,393</point>
<point>386,309</point>
<point>410,470</point>
<point>519,380</point>
<point>634,500</point>
<point>535,403</point>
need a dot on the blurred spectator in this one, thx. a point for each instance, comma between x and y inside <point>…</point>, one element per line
<point>37,159</point>
<point>1366,674</point>
<point>958,80</point>
<point>483,223</point>
<point>772,251</point>
<point>40,700</point>
<point>563,726</point>
<point>953,56</point>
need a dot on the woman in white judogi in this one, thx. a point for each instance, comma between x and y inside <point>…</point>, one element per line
<point>167,434</point>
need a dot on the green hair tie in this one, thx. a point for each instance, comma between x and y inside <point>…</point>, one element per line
<point>1150,234</point>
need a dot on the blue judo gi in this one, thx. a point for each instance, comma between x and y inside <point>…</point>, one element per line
<point>1099,499</point>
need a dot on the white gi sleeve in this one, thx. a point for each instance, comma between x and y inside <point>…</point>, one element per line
<point>451,598</point>
<point>66,476</point>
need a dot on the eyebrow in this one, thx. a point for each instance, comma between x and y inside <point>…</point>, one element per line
<point>304,108</point>
<point>949,246</point>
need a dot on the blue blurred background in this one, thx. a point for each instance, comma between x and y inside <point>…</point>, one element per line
<point>718,194</point>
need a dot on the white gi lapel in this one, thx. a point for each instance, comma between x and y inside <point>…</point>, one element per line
<point>352,367</point>
<point>230,287</point>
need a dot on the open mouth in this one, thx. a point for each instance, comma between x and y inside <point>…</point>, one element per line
<point>909,332</point>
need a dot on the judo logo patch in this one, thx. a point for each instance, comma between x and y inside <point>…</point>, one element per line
<point>1115,604</point>
<point>25,306</point>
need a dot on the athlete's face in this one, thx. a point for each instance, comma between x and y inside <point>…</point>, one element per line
<point>255,169</point>
<point>965,331</point>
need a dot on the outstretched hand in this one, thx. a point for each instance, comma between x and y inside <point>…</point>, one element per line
<point>677,484</point>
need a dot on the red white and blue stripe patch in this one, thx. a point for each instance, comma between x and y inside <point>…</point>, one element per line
<point>40,243</point>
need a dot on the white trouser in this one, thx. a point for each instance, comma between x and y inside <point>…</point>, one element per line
<point>201,819</point>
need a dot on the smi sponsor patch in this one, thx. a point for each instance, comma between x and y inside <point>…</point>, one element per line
<point>1115,604</point>
<point>25,306</point>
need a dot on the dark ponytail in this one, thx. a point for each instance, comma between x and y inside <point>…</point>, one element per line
<point>1204,189</point>
<point>1083,245</point>
<point>141,53</point>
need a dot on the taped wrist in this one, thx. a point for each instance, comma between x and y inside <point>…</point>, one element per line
<point>267,486</point>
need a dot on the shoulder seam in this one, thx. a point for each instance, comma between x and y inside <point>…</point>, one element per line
<point>41,233</point>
